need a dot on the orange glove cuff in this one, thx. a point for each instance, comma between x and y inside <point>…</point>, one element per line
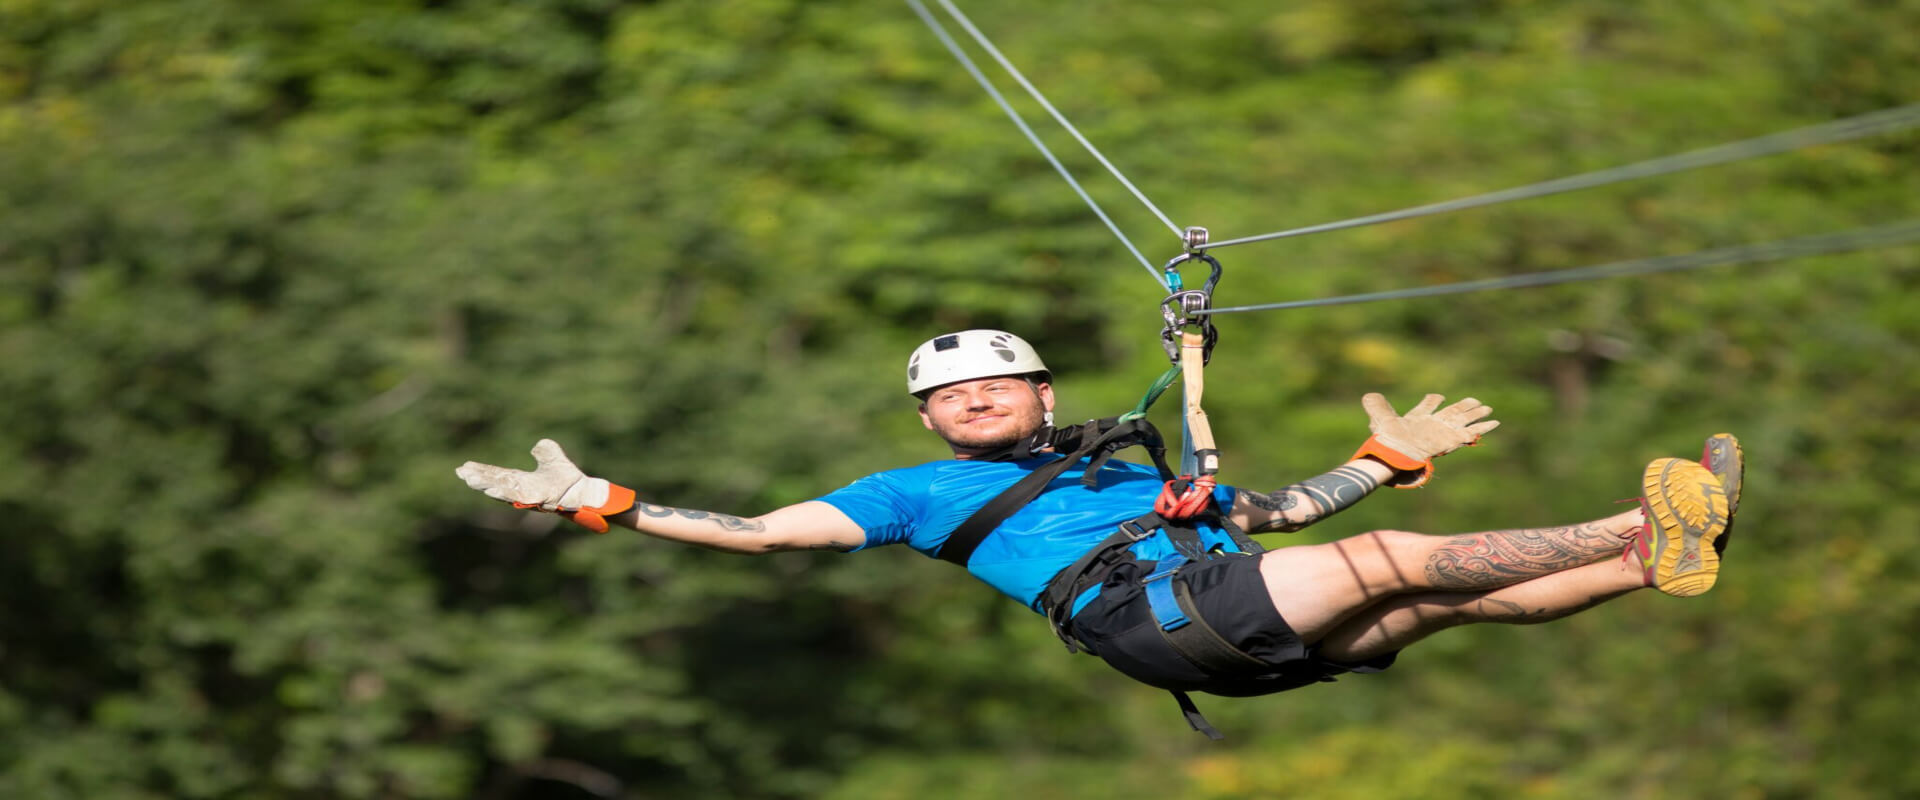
<point>1422,470</point>
<point>619,499</point>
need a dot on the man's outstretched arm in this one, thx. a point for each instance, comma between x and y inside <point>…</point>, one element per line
<point>557,486</point>
<point>811,525</point>
<point>1311,500</point>
<point>1400,453</point>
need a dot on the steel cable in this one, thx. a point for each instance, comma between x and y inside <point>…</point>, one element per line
<point>987,45</point>
<point>1822,244</point>
<point>966,61</point>
<point>1877,122</point>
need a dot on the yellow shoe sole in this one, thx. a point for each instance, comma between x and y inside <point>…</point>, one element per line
<point>1686,511</point>
<point>1723,457</point>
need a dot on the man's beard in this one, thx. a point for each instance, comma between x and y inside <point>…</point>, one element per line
<point>1025,423</point>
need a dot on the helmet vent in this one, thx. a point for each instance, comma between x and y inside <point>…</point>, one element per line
<point>1002,347</point>
<point>945,343</point>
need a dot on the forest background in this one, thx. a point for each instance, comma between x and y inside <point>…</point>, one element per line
<point>269,271</point>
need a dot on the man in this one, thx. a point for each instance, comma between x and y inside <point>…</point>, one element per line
<point>1254,622</point>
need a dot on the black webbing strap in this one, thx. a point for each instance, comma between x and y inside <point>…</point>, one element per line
<point>1099,438</point>
<point>1194,718</point>
<point>1185,538</point>
<point>1241,540</point>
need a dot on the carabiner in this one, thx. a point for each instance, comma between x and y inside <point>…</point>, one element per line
<point>1185,308</point>
<point>1172,271</point>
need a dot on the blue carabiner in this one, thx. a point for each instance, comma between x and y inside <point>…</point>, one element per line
<point>1173,272</point>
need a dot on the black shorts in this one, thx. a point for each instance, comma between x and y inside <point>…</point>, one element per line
<point>1232,597</point>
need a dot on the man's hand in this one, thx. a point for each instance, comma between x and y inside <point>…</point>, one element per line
<point>554,485</point>
<point>1410,443</point>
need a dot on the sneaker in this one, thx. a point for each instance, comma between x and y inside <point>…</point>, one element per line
<point>1724,458</point>
<point>1686,510</point>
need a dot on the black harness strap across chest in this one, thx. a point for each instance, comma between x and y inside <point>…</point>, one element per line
<point>1098,439</point>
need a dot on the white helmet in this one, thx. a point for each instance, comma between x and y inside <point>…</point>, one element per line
<point>968,355</point>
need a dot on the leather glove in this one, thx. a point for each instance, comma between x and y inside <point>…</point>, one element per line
<point>555,485</point>
<point>1410,443</point>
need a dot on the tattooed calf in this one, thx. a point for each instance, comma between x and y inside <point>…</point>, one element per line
<point>1501,558</point>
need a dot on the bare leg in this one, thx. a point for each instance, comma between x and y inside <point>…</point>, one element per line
<point>1399,621</point>
<point>1317,587</point>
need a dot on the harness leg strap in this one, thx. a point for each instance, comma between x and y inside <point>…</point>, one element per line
<point>1180,623</point>
<point>1198,642</point>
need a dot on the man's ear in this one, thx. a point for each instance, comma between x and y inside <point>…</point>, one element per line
<point>924,419</point>
<point>1045,391</point>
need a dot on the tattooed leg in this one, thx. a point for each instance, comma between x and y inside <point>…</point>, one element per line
<point>1316,587</point>
<point>1485,560</point>
<point>1402,620</point>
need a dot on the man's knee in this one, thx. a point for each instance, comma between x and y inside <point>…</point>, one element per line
<point>1382,561</point>
<point>1387,542</point>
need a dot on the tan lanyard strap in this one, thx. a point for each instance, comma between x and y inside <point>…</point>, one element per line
<point>1193,349</point>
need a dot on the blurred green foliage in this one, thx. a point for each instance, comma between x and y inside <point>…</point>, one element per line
<point>269,271</point>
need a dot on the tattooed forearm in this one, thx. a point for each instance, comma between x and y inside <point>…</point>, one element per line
<point>1311,500</point>
<point>1340,488</point>
<point>725,521</point>
<point>1500,558</point>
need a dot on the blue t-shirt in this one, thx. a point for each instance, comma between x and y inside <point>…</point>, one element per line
<point>920,506</point>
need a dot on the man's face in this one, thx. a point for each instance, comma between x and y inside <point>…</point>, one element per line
<point>987,414</point>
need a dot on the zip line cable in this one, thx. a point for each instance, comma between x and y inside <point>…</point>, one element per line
<point>965,61</point>
<point>987,45</point>
<point>1822,244</point>
<point>1841,130</point>
<point>1856,127</point>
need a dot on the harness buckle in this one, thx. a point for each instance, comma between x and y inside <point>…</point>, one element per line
<point>1135,530</point>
